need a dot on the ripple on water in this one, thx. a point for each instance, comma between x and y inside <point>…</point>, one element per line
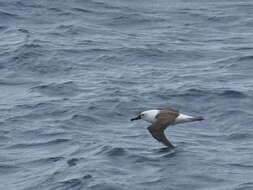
<point>81,119</point>
<point>236,63</point>
<point>232,94</point>
<point>239,136</point>
<point>42,145</point>
<point>111,151</point>
<point>192,93</point>
<point>107,186</point>
<point>58,89</point>
<point>245,186</point>
<point>74,183</point>
<point>41,163</point>
<point>8,169</point>
<point>241,166</point>
<point>5,15</point>
<point>72,162</point>
<point>4,140</point>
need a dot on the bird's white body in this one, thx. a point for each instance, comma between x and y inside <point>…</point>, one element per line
<point>150,116</point>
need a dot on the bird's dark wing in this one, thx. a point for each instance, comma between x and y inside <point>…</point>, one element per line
<point>160,136</point>
<point>169,109</point>
<point>157,128</point>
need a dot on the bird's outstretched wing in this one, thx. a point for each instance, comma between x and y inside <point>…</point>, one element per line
<point>157,128</point>
<point>169,110</point>
<point>160,136</point>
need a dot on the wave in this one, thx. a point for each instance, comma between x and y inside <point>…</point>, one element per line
<point>238,63</point>
<point>82,10</point>
<point>68,88</point>
<point>37,56</point>
<point>224,19</point>
<point>239,136</point>
<point>245,58</point>
<point>72,162</point>
<point>42,162</point>
<point>82,119</point>
<point>244,186</point>
<point>54,142</point>
<point>196,92</point>
<point>241,166</point>
<point>8,15</point>
<point>7,169</point>
<point>232,94</point>
<point>111,151</point>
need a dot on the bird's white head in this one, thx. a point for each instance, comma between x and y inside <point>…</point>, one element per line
<point>149,115</point>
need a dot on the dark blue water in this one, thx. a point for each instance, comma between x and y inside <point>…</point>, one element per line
<point>72,74</point>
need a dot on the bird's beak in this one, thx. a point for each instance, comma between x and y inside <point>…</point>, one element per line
<point>136,118</point>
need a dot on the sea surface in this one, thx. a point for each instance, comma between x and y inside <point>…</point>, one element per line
<point>73,73</point>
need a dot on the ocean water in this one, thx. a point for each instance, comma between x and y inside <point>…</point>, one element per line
<point>73,73</point>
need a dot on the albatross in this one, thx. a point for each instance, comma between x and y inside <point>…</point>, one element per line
<point>161,119</point>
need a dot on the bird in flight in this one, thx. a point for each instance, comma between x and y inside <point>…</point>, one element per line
<point>161,119</point>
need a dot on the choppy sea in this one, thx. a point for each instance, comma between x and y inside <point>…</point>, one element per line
<point>73,73</point>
